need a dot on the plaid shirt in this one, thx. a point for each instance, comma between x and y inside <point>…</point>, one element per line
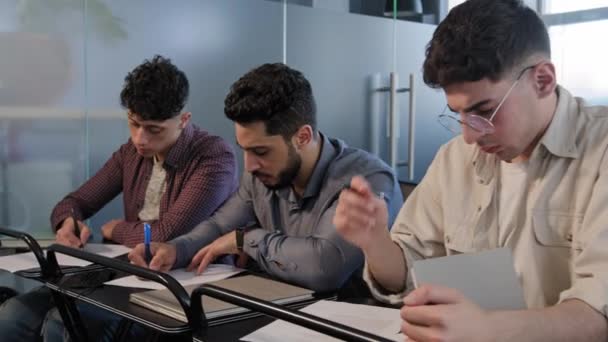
<point>201,176</point>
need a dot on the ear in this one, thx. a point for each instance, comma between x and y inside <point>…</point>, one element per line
<point>184,119</point>
<point>303,136</point>
<point>545,81</point>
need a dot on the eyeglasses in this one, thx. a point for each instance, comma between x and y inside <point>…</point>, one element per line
<point>477,123</point>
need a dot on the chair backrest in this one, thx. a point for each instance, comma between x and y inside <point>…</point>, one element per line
<point>406,188</point>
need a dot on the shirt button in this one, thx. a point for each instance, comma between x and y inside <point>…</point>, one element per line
<point>447,238</point>
<point>479,208</point>
<point>569,237</point>
<point>480,181</point>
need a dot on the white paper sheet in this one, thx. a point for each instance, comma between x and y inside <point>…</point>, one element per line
<point>214,272</point>
<point>24,261</point>
<point>376,320</point>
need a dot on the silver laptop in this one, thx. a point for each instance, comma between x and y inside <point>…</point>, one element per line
<point>487,278</point>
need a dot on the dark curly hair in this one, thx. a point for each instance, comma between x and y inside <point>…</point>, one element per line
<point>275,94</point>
<point>155,90</point>
<point>483,39</point>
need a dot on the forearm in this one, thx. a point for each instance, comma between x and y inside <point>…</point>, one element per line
<point>386,263</point>
<point>316,263</point>
<point>572,320</point>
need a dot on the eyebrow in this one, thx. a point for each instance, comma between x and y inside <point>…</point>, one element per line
<point>473,107</point>
<point>147,125</point>
<point>250,147</point>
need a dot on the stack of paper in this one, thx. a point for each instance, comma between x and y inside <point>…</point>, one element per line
<point>214,272</point>
<point>384,322</point>
<point>24,261</point>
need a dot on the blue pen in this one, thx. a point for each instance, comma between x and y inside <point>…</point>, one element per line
<point>147,239</point>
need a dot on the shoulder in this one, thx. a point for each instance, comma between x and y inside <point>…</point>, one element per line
<point>209,145</point>
<point>351,160</point>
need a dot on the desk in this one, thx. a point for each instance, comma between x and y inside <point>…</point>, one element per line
<point>116,300</point>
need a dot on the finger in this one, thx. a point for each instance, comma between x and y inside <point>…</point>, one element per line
<point>136,256</point>
<point>421,333</point>
<point>433,294</point>
<point>68,239</point>
<point>359,184</point>
<point>207,259</point>
<point>196,260</point>
<point>424,315</point>
<point>158,263</point>
<point>351,199</point>
<point>159,257</point>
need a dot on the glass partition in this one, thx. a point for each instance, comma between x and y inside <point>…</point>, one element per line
<point>64,64</point>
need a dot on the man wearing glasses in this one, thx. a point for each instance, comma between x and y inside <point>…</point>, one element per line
<point>527,172</point>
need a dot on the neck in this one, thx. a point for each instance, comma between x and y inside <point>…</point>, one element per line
<point>310,156</point>
<point>547,111</point>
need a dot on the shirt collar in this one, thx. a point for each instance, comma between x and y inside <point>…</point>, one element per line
<point>315,182</point>
<point>178,151</point>
<point>560,137</point>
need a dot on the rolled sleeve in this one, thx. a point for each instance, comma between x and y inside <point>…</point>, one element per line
<point>592,291</point>
<point>379,292</point>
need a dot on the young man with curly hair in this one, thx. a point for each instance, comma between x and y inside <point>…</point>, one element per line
<point>527,172</point>
<point>171,173</point>
<point>281,215</point>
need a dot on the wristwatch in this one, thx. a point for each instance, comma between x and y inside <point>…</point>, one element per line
<point>240,236</point>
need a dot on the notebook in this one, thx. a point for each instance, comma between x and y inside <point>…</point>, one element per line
<point>487,278</point>
<point>162,301</point>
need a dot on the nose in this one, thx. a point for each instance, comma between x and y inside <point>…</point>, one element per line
<point>470,135</point>
<point>251,162</point>
<point>139,137</point>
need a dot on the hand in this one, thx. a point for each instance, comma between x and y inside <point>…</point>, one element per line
<point>223,245</point>
<point>164,256</point>
<point>361,216</point>
<point>66,234</point>
<point>436,313</point>
<point>108,228</point>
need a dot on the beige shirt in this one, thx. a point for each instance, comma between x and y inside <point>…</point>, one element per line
<point>558,231</point>
<point>154,192</point>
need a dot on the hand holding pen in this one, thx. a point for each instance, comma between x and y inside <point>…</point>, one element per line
<point>154,255</point>
<point>361,215</point>
<point>72,232</point>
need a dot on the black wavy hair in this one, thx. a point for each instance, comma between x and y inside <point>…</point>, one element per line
<point>483,39</point>
<point>155,90</point>
<point>275,94</point>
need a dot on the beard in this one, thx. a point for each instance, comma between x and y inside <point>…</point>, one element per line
<point>287,175</point>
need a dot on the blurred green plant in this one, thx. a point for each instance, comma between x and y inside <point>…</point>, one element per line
<point>42,16</point>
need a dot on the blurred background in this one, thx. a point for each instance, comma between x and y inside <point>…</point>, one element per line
<point>63,63</point>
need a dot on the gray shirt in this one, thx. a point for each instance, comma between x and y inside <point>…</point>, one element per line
<point>294,238</point>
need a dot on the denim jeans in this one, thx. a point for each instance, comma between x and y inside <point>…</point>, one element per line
<point>21,317</point>
<point>100,325</point>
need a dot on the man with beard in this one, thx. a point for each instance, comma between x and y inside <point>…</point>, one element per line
<point>281,215</point>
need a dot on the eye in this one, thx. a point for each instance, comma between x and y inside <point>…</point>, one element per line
<point>154,130</point>
<point>485,113</point>
<point>260,152</point>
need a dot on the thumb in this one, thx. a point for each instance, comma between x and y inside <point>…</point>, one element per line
<point>85,234</point>
<point>156,263</point>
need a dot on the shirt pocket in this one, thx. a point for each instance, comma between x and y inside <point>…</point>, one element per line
<point>459,239</point>
<point>555,228</point>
